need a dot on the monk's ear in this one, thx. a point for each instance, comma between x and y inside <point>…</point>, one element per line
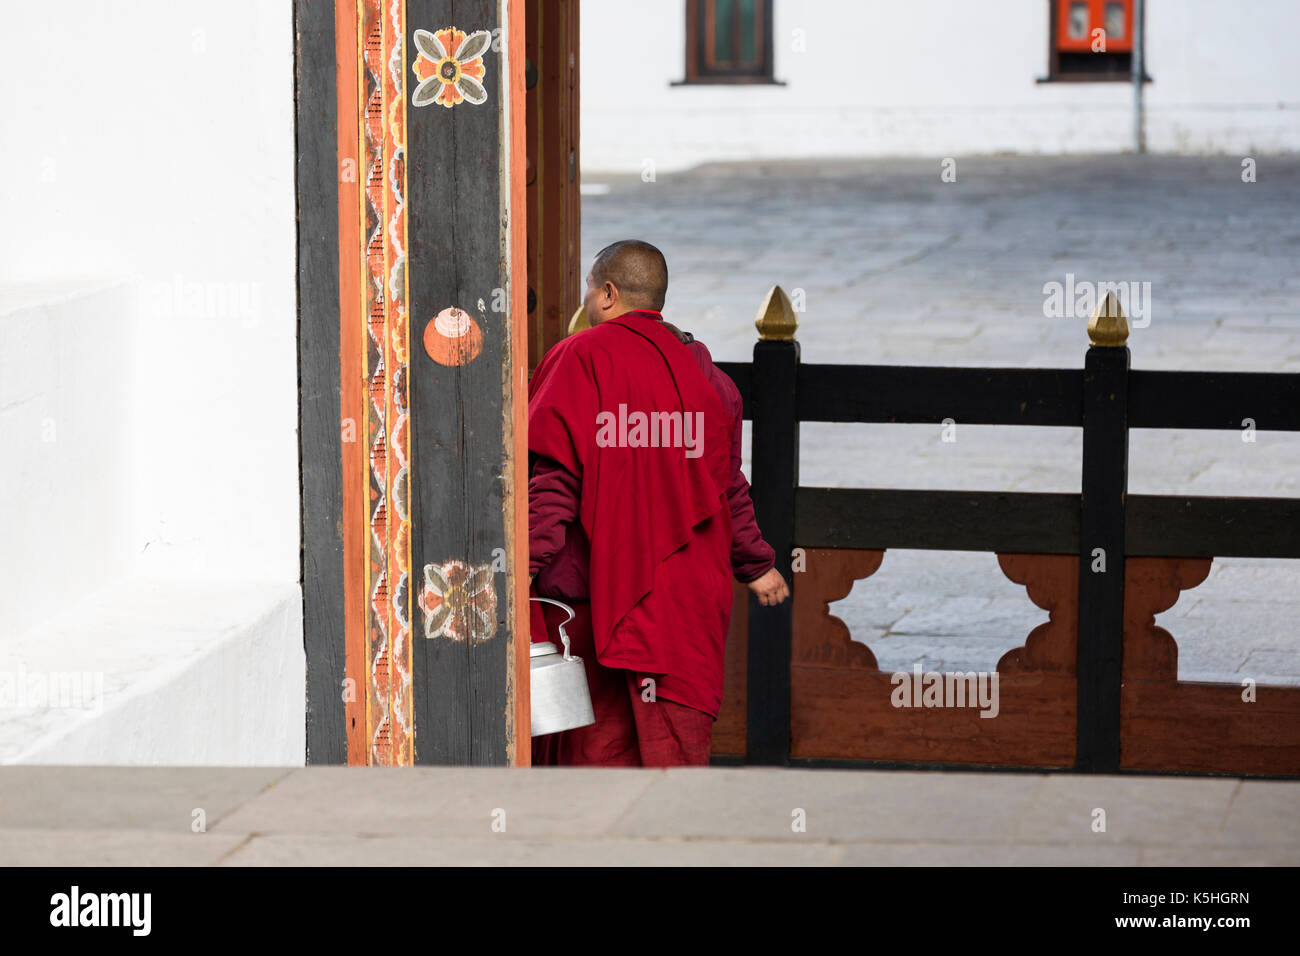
<point>610,292</point>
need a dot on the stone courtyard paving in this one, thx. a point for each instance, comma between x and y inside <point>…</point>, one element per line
<point>897,267</point>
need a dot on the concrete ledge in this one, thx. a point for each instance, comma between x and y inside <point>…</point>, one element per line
<point>320,816</point>
<point>159,672</point>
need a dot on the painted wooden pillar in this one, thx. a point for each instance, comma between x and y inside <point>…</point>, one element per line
<point>420,552</point>
<point>320,431</point>
<point>555,269</point>
<point>468,371</point>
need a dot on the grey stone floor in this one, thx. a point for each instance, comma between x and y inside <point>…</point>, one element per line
<point>97,816</point>
<point>897,267</point>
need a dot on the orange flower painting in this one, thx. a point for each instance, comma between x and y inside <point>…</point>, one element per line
<point>449,65</point>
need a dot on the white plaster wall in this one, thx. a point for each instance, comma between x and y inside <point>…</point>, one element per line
<point>149,494</point>
<point>65,442</point>
<point>932,77</point>
<point>153,139</point>
<point>1226,76</point>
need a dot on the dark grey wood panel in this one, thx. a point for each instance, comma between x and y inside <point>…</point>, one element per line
<point>316,148</point>
<point>457,434</point>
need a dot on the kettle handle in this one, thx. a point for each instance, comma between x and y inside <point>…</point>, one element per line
<point>572,614</point>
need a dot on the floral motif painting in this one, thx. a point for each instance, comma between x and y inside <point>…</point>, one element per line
<point>459,601</point>
<point>449,65</point>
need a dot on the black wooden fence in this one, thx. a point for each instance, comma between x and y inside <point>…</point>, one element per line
<point>1105,398</point>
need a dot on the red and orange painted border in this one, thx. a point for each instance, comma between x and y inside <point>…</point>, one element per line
<point>387,607</point>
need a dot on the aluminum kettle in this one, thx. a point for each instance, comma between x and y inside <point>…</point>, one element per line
<point>558,682</point>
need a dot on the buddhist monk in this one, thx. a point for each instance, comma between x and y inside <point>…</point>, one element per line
<point>639,518</point>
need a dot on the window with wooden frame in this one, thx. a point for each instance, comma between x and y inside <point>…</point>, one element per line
<point>729,41</point>
<point>1090,40</point>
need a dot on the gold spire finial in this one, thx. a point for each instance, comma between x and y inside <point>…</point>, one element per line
<point>776,321</point>
<point>1108,327</point>
<point>580,321</point>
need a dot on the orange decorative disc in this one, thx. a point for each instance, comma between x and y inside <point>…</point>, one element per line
<point>453,338</point>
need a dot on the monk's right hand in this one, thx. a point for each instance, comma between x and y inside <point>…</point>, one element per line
<point>770,589</point>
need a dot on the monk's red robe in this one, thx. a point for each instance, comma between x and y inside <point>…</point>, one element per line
<point>657,520</point>
<point>630,730</point>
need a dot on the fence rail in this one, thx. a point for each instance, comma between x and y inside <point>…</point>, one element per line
<point>1105,399</point>
<point>928,394</point>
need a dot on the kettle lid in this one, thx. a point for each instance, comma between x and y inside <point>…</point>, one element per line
<point>542,648</point>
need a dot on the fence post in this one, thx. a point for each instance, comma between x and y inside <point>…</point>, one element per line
<point>1103,488</point>
<point>775,469</point>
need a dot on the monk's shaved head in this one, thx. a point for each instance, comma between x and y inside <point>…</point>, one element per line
<point>636,269</point>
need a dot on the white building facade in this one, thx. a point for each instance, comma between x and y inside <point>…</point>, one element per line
<point>855,78</point>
